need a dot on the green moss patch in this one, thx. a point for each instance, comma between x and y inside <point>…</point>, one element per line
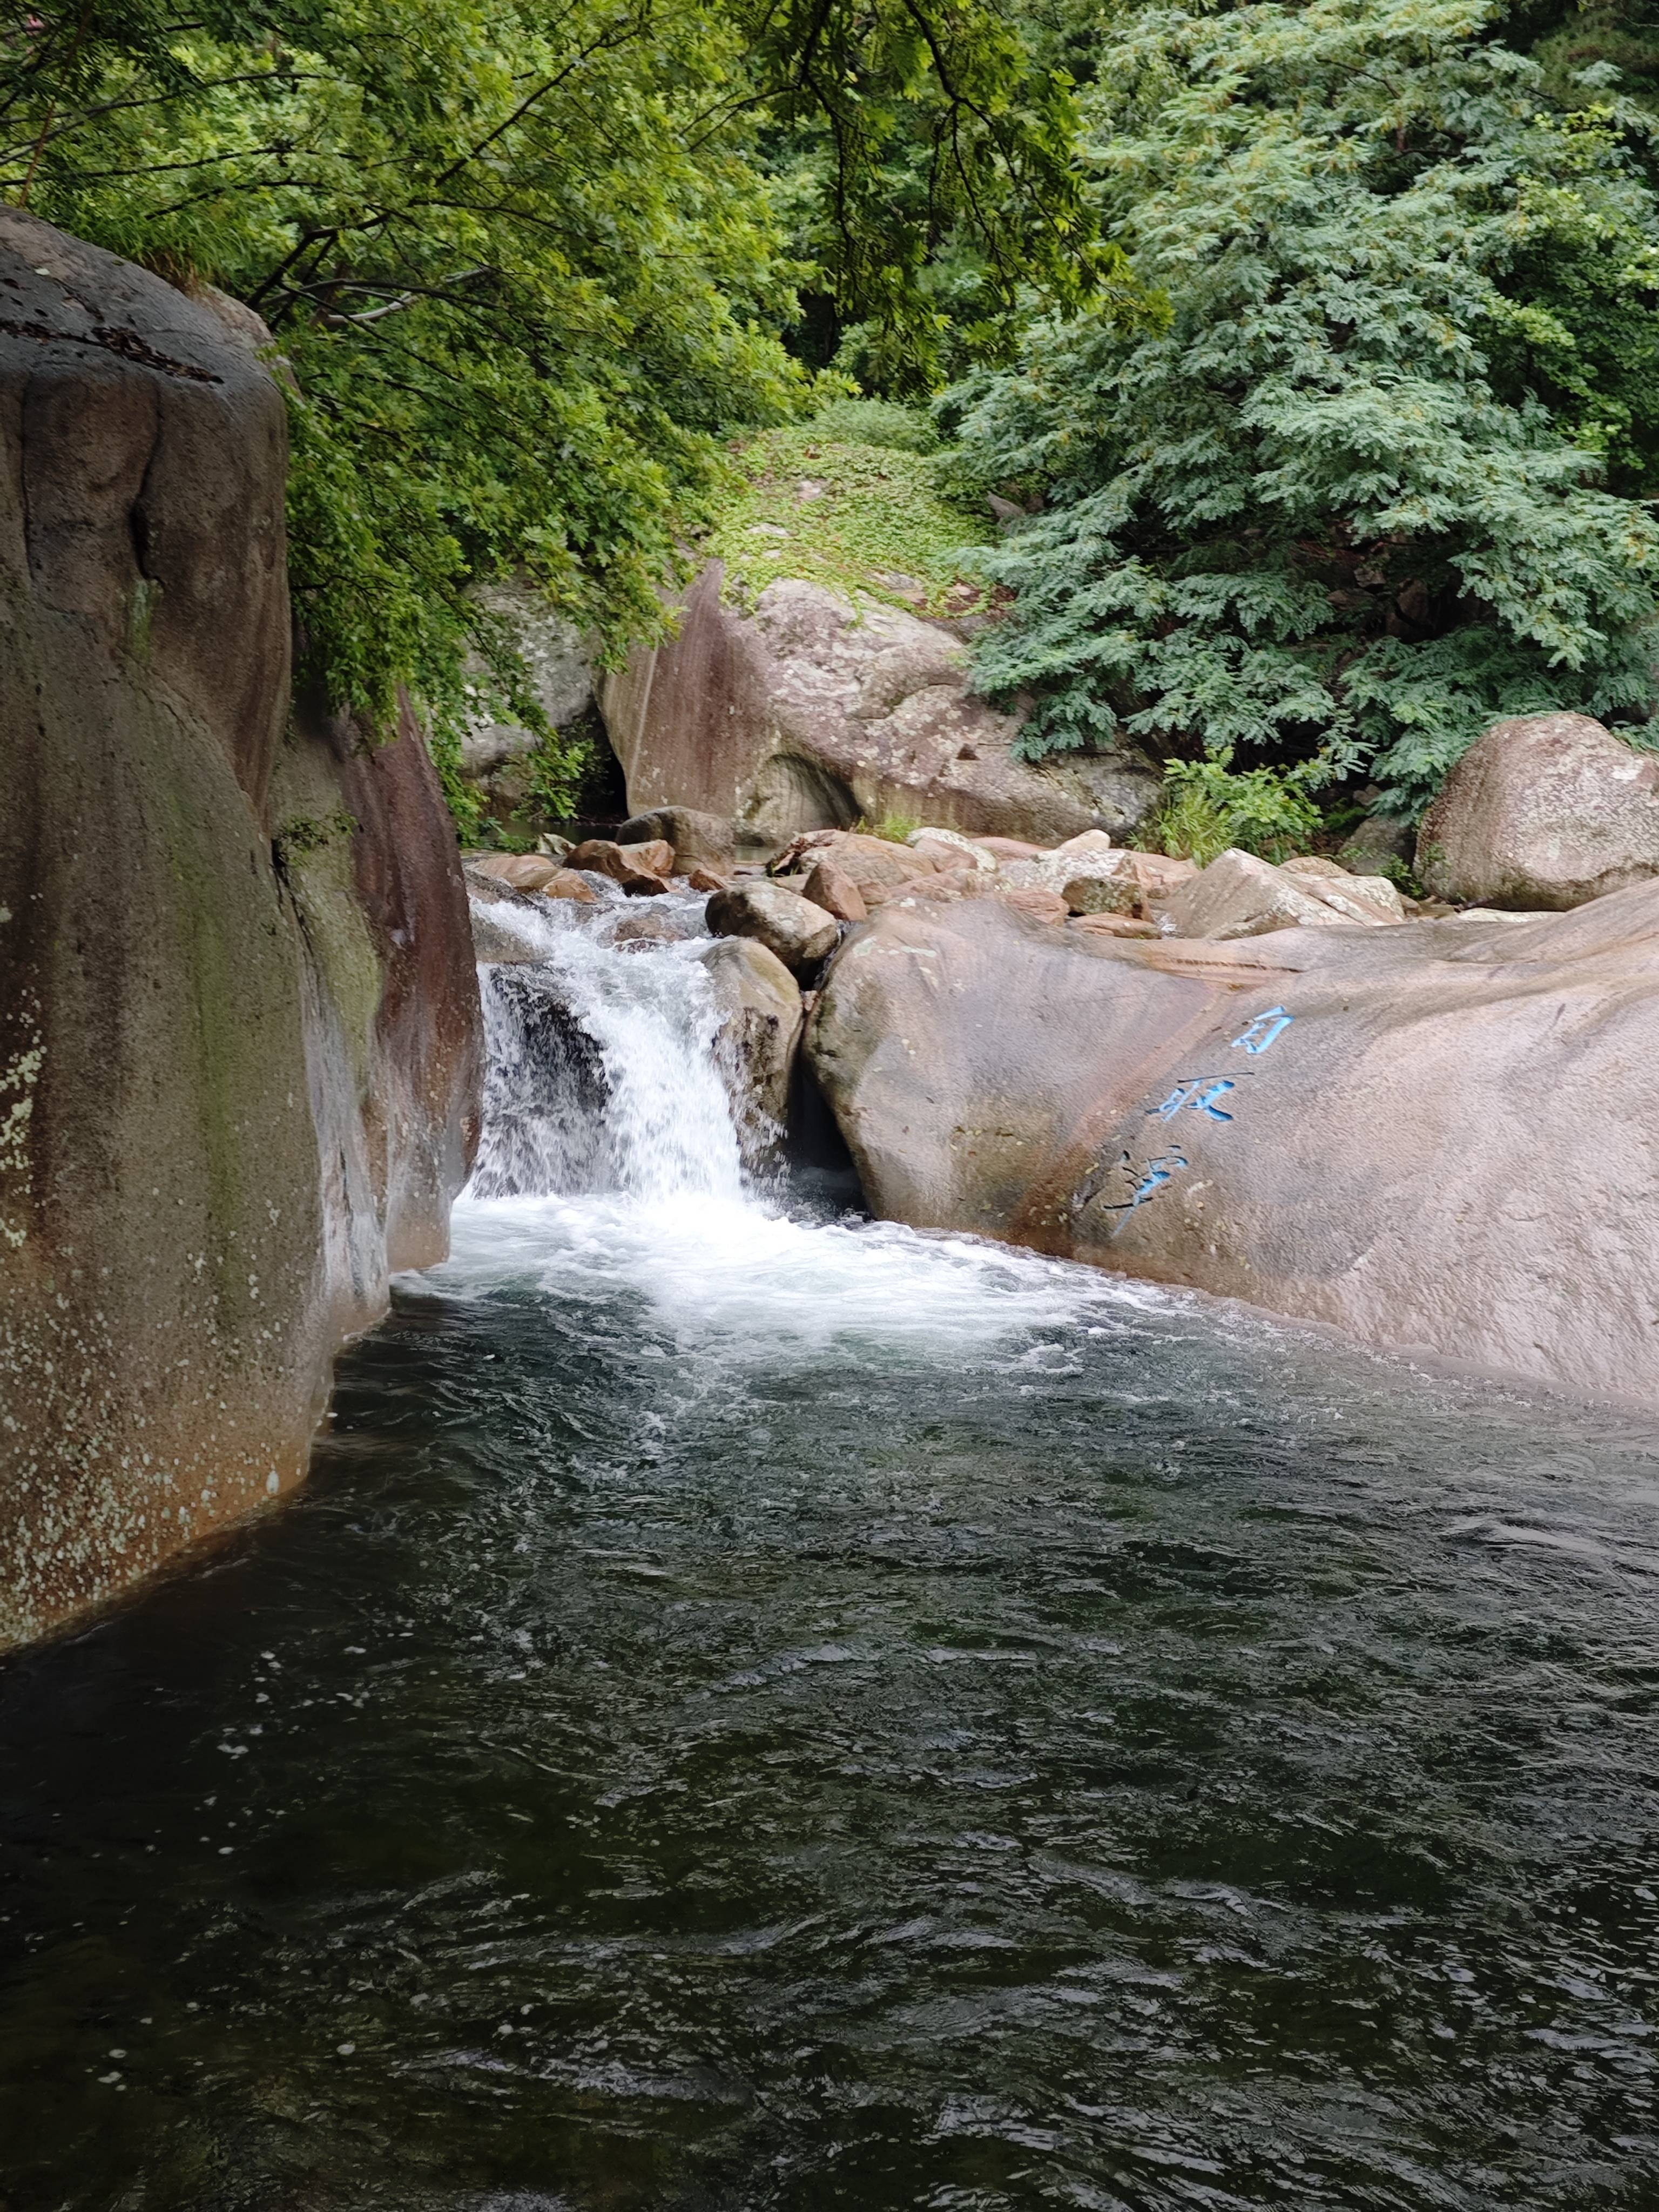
<point>857,517</point>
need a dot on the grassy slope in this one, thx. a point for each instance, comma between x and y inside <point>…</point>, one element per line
<point>854,517</point>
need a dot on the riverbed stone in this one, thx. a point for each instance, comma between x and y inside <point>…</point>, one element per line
<point>570,884</point>
<point>1034,899</point>
<point>520,871</point>
<point>790,927</point>
<point>1436,1136</point>
<point>1240,895</point>
<point>1547,810</point>
<point>1114,925</point>
<point>624,865</point>
<point>875,865</point>
<point>696,838</point>
<point>645,926</point>
<point>940,846</point>
<point>1380,841</point>
<point>1357,898</point>
<point>829,886</point>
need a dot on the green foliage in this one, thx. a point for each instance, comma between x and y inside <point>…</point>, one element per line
<point>857,517</point>
<point>930,147</point>
<point>1378,474</point>
<point>1209,807</point>
<point>523,268</point>
<point>555,773</point>
<point>1568,38</point>
<point>464,799</point>
<point>521,315</point>
<point>876,423</point>
<point>896,829</point>
<point>302,834</point>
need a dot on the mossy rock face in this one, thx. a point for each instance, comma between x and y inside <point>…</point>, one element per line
<point>171,1248</point>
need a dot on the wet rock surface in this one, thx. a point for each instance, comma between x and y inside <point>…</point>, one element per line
<point>1432,1135</point>
<point>762,1019</point>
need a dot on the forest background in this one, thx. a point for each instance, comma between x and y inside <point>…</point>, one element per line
<point>1314,347</point>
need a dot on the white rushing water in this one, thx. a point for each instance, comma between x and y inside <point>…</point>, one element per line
<point>610,1162</point>
<point>601,1075</point>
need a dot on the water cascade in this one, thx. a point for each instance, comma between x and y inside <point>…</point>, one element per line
<point>602,1073</point>
<point>761,1710</point>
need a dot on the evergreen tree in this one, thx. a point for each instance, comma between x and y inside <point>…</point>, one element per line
<point>1373,468</point>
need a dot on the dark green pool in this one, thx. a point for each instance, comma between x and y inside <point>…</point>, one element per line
<point>755,1715</point>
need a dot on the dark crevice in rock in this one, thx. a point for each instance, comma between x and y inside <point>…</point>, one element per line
<point>127,343</point>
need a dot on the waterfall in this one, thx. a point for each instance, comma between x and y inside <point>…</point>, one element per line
<point>609,1175</point>
<point>602,1074</point>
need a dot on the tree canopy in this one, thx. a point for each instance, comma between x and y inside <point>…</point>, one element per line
<point>522,260</point>
<point>1376,467</point>
<point>1319,337</point>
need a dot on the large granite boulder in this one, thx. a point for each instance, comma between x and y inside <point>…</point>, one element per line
<point>239,1045</point>
<point>813,711</point>
<point>1436,1136</point>
<point>1548,811</point>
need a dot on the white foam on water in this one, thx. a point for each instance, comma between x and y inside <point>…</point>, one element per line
<point>655,1204</point>
<point>734,1272</point>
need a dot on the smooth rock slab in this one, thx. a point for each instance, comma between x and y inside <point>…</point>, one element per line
<point>1438,1136</point>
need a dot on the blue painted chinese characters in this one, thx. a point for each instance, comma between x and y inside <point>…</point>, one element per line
<point>1196,1094</point>
<point>1262,1031</point>
<point>1200,1094</point>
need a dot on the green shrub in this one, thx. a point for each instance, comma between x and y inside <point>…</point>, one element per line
<point>897,829</point>
<point>1208,807</point>
<point>1380,472</point>
<point>855,518</point>
<point>877,423</point>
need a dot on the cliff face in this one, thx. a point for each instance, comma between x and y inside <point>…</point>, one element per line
<point>239,1042</point>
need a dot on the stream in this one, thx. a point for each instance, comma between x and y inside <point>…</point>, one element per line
<point>759,1709</point>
